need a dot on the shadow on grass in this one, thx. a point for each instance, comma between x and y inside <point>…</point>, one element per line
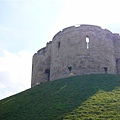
<point>54,100</point>
<point>75,90</point>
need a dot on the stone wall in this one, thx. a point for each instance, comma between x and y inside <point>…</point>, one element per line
<point>116,41</point>
<point>41,65</point>
<point>70,54</point>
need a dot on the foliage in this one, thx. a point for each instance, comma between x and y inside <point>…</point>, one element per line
<point>86,97</point>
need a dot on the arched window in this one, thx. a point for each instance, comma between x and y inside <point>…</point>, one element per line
<point>87,41</point>
<point>70,68</point>
<point>105,69</point>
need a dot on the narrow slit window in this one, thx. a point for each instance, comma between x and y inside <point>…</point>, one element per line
<point>87,41</point>
<point>117,66</point>
<point>58,45</point>
<point>47,71</point>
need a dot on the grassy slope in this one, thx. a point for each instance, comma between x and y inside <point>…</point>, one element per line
<point>85,97</point>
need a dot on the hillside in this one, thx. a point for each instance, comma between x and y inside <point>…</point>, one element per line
<point>86,97</point>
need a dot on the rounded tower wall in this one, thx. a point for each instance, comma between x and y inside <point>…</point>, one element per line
<point>71,50</point>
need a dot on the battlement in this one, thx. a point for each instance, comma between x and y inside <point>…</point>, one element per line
<point>77,50</point>
<point>81,27</point>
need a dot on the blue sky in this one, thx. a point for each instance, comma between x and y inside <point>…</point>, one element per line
<point>27,25</point>
<point>26,22</point>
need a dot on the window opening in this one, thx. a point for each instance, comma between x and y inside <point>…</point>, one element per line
<point>87,41</point>
<point>117,66</point>
<point>58,45</point>
<point>70,68</point>
<point>47,71</point>
<point>105,69</point>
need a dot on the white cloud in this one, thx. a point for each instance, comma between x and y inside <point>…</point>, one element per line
<point>15,72</point>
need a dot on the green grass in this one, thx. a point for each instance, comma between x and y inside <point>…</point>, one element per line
<point>86,97</point>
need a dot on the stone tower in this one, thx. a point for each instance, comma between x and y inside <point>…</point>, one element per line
<point>86,49</point>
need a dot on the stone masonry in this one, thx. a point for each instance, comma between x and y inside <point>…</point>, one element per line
<point>85,49</point>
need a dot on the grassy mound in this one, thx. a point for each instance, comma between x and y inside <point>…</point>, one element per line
<point>86,97</point>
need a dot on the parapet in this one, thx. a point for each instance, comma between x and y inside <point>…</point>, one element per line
<point>80,27</point>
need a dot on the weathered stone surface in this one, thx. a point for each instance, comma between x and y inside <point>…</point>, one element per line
<point>69,54</point>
